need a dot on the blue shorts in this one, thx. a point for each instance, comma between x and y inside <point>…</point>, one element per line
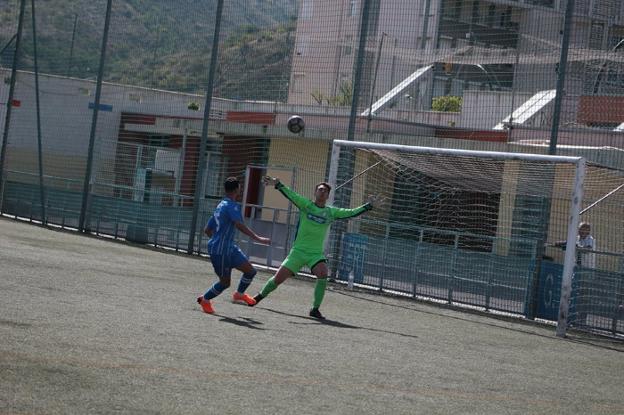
<point>232,258</point>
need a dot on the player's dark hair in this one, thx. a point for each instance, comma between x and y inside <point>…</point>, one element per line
<point>324,184</point>
<point>230,184</point>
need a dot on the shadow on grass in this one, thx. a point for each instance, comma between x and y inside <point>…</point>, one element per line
<point>246,322</point>
<point>334,323</point>
<point>604,343</point>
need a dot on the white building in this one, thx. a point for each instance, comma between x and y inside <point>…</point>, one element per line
<point>487,46</point>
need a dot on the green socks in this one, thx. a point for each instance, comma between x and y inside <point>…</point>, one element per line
<point>319,292</point>
<point>268,287</point>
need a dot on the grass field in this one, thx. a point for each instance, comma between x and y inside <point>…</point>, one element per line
<point>93,326</point>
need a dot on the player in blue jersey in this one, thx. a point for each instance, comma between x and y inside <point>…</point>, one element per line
<point>224,253</point>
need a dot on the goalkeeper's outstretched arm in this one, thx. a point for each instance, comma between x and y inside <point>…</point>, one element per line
<point>341,213</point>
<point>297,199</point>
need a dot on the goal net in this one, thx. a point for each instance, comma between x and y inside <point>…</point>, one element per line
<point>456,225</point>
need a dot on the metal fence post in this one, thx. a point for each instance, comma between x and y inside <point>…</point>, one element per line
<point>416,263</point>
<point>199,178</point>
<point>561,74</point>
<point>570,253</point>
<point>7,118</point>
<point>96,107</point>
<point>38,109</point>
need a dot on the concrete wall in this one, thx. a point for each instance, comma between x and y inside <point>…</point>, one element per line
<point>66,120</point>
<point>485,109</point>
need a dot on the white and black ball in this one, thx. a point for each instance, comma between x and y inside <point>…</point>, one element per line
<point>295,124</point>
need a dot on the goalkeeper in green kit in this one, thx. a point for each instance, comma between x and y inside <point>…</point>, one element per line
<point>315,217</point>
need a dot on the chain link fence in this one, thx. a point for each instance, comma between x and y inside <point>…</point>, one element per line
<point>123,118</point>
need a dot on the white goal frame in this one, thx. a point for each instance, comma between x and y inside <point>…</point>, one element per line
<point>576,198</point>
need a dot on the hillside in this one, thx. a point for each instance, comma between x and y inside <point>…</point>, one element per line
<point>162,44</point>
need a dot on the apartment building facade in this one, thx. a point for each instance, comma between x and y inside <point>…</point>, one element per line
<point>508,46</point>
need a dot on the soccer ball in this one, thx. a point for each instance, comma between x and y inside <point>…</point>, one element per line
<point>295,124</point>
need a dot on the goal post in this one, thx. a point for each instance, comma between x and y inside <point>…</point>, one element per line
<point>457,225</point>
<point>570,255</point>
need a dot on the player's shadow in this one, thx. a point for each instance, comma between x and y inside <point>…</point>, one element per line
<point>246,322</point>
<point>338,324</point>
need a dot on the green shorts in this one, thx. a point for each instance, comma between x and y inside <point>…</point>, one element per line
<point>297,259</point>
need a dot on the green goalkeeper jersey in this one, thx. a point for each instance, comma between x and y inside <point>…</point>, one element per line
<point>314,221</point>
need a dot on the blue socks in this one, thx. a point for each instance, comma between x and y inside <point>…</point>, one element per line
<point>214,291</point>
<point>245,281</point>
<point>218,287</point>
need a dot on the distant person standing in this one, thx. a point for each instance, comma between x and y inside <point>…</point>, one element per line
<point>585,258</point>
<point>224,253</point>
<point>585,246</point>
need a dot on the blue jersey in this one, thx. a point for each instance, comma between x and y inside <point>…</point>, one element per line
<point>223,226</point>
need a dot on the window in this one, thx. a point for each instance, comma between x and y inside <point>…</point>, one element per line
<point>475,12</point>
<point>456,11</point>
<point>373,21</point>
<point>159,140</point>
<point>214,176</point>
<point>544,3</point>
<point>353,8</point>
<point>445,42</point>
<point>596,35</point>
<point>347,47</point>
<point>616,34</point>
<point>306,9</point>
<point>615,78</point>
<point>491,16</point>
<point>505,18</point>
<point>297,82</point>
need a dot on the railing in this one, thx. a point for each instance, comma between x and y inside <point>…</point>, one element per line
<point>410,266</point>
